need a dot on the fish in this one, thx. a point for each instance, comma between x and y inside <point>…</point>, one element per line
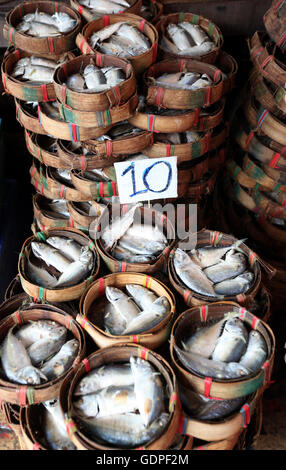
<point>34,331</point>
<point>114,76</point>
<point>104,33</point>
<point>62,360</point>
<point>45,347</point>
<point>16,362</point>
<point>150,397</point>
<point>59,21</point>
<point>50,256</point>
<point>128,48</point>
<point>107,7</point>
<point>198,51</point>
<point>51,110</point>
<point>112,232</point>
<point>131,33</point>
<point>180,38</point>
<point>196,32</point>
<point>235,286</point>
<point>256,352</point>
<point>119,375</point>
<point>233,265</point>
<point>54,427</point>
<point>192,275</point>
<point>63,21</point>
<point>59,206</point>
<point>122,254</point>
<point>144,321</point>
<point>141,246</point>
<point>76,82</point>
<point>94,78</point>
<point>126,430</point>
<point>147,231</point>
<point>203,341</point>
<point>209,255</point>
<point>232,343</point>
<point>64,175</point>
<point>209,367</point>
<point>40,276</point>
<point>109,401</point>
<point>67,246</point>
<point>192,136</point>
<point>169,138</point>
<point>178,80</point>
<point>37,29</point>
<point>143,297</point>
<point>124,305</point>
<point>77,270</point>
<point>123,129</point>
<point>114,323</point>
<point>203,408</point>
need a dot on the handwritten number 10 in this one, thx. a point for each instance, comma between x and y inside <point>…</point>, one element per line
<point>146,172</point>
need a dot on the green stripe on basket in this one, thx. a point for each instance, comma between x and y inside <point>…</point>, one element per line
<point>108,117</point>
<point>196,150</point>
<point>195,19</point>
<point>211,29</point>
<point>30,395</point>
<point>30,94</point>
<point>41,236</point>
<point>109,188</point>
<point>181,17</point>
<point>280,95</point>
<point>41,293</point>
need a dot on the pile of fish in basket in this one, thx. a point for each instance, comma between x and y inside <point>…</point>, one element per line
<point>114,335</point>
<point>255,182</point>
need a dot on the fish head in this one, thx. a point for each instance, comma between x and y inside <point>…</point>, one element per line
<point>113,294</point>
<point>235,326</point>
<point>238,369</point>
<point>31,375</point>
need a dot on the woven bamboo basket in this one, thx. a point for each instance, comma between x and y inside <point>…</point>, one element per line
<point>270,97</point>
<point>91,188</point>
<point>74,158</point>
<point>254,144</point>
<point>150,217</point>
<point>188,322</point>
<point>262,119</point>
<point>59,294</point>
<point>215,238</point>
<point>92,322</point>
<point>62,129</point>
<point>88,15</point>
<point>274,21</point>
<point>86,101</point>
<point>203,187</point>
<point>117,354</point>
<point>225,444</point>
<point>80,215</point>
<point>24,90</point>
<point>156,10</point>
<point>110,150</point>
<point>26,395</point>
<point>28,117</point>
<point>276,175</point>
<point>266,58</point>
<point>11,413</point>
<point>45,46</point>
<point>180,98</point>
<point>99,119</point>
<point>210,28</point>
<point>208,141</point>
<point>268,180</point>
<point>38,145</point>
<point>184,443</point>
<point>140,62</point>
<point>44,219</point>
<point>14,288</point>
<point>200,119</point>
<point>10,305</point>
<point>228,65</point>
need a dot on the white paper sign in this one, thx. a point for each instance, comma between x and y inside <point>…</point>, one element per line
<point>146,180</point>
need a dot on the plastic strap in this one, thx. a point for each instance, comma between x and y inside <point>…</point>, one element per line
<point>263,115</point>
<point>208,383</point>
<point>44,92</point>
<point>187,296</point>
<point>245,411</point>
<point>19,317</point>
<point>142,24</point>
<point>154,49</point>
<point>108,148</point>
<point>147,281</point>
<point>173,401</point>
<point>135,339</point>
<point>207,96</point>
<point>204,312</point>
<point>36,446</point>
<point>215,238</point>
<point>183,422</point>
<point>266,367</point>
<point>70,426</point>
<point>281,40</point>
<point>101,285</point>
<point>275,159</point>
<point>159,96</point>
<point>80,9</point>
<point>242,312</point>
<point>106,20</point>
<point>86,364</point>
<point>150,122</point>
<point>197,115</point>
<point>51,45</point>
<point>11,35</point>
<point>143,353</point>
<point>123,267</point>
<point>255,322</point>
<point>248,140</point>
<point>182,64</point>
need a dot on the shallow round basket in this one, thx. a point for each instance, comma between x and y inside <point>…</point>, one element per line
<point>204,186</point>
<point>38,146</point>
<point>23,89</point>
<point>94,324</point>
<point>208,26</point>
<point>205,238</point>
<point>86,100</point>
<point>61,129</point>
<point>148,216</point>
<point>208,141</point>
<point>75,158</point>
<point>11,304</point>
<point>28,117</point>
<point>80,217</point>
<point>44,219</point>
<point>120,354</point>
<point>140,62</point>
<point>45,46</point>
<point>156,10</point>
<point>188,323</point>
<point>228,65</point>
<point>14,288</point>
<point>88,15</point>
<point>180,98</point>
<point>225,444</point>
<point>24,395</point>
<point>93,189</point>
<point>275,22</point>
<point>58,294</point>
<point>270,96</point>
<point>203,119</point>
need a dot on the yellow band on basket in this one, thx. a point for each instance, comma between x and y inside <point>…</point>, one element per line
<point>143,353</point>
<point>147,281</point>
<point>70,426</point>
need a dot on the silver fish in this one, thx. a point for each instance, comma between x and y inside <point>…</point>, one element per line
<point>34,331</point>
<point>150,397</point>
<point>124,305</point>
<point>143,297</point>
<point>210,368</point>
<point>67,246</point>
<point>232,343</point>
<point>59,206</point>
<point>209,255</point>
<point>107,7</point>
<point>37,29</point>
<point>235,286</point>
<point>132,33</point>
<point>40,276</point>
<point>197,51</point>
<point>191,274</point>
<point>149,232</point>
<point>35,73</point>
<point>104,33</point>
<point>77,270</point>
<point>114,324</point>
<point>256,352</point>
<point>76,82</point>
<point>202,82</point>
<point>54,427</point>
<point>112,232</point>
<point>180,38</point>
<point>94,78</point>
<point>61,361</point>
<point>196,32</point>
<point>203,341</point>
<point>114,76</point>
<point>126,430</point>
<point>63,21</point>
<point>118,375</point>
<point>143,322</point>
<point>17,364</point>
<point>109,401</point>
<point>50,256</point>
<point>192,136</point>
<point>122,254</point>
<point>45,347</point>
<point>141,246</point>
<point>233,265</point>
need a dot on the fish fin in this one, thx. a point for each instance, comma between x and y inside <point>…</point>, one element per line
<point>184,346</point>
